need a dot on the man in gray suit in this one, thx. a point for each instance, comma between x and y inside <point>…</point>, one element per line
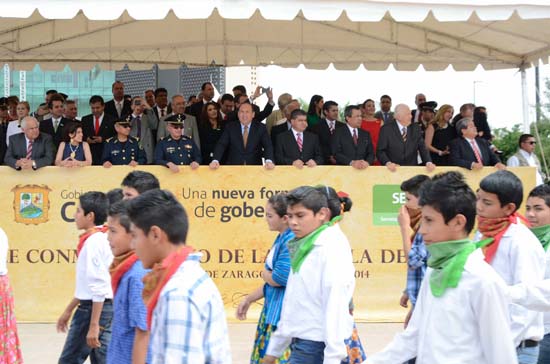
<point>190,128</point>
<point>143,121</point>
<point>30,149</point>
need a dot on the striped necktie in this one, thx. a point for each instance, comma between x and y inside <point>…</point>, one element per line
<point>29,149</point>
<point>299,141</point>
<point>404,134</point>
<point>355,136</point>
<point>476,152</point>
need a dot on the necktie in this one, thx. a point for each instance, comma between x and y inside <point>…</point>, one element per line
<point>96,127</point>
<point>161,113</point>
<point>385,117</point>
<point>55,125</point>
<point>245,135</point>
<point>355,136</point>
<point>118,108</point>
<point>299,141</point>
<point>476,152</point>
<point>29,149</point>
<point>404,134</point>
<point>138,123</point>
<point>331,127</point>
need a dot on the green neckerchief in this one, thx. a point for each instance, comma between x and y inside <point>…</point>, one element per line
<point>543,234</point>
<point>300,248</point>
<point>447,259</point>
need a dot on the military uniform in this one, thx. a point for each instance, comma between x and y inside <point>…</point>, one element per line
<point>183,151</point>
<point>122,153</point>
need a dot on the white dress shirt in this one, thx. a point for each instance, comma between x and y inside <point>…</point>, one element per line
<point>3,253</point>
<point>93,280</point>
<point>316,303</point>
<point>520,258</point>
<point>466,325</point>
<point>513,161</point>
<point>13,128</point>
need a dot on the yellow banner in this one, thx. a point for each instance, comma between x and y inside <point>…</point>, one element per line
<point>226,211</point>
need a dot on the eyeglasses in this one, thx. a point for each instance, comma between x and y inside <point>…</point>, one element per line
<point>125,126</point>
<point>532,142</point>
<point>177,126</point>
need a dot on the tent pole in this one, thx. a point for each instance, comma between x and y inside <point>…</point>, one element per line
<point>525,100</point>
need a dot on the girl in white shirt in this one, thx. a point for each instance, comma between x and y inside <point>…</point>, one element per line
<point>10,349</point>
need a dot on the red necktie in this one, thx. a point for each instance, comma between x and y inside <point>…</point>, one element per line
<point>96,125</point>
<point>29,149</point>
<point>476,152</point>
<point>299,141</point>
<point>355,136</point>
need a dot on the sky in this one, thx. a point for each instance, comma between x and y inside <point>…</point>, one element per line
<point>499,91</point>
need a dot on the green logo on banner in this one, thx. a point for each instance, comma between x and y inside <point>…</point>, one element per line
<point>387,199</point>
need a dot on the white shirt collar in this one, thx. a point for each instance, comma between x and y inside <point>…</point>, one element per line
<point>352,129</point>
<point>296,133</point>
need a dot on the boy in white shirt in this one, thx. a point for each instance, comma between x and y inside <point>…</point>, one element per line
<point>90,330</point>
<point>461,314</point>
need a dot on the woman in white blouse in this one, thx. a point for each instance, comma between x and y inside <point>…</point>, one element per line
<point>14,127</point>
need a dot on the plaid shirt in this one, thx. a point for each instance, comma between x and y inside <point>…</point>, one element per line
<point>417,264</point>
<point>189,325</point>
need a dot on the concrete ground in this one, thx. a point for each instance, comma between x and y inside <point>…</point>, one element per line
<point>42,344</point>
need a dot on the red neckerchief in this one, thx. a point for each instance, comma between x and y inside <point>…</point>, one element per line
<point>154,281</point>
<point>496,228</point>
<point>83,237</point>
<point>120,265</point>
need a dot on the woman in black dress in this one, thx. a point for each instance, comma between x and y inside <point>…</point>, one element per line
<point>210,130</point>
<point>439,135</point>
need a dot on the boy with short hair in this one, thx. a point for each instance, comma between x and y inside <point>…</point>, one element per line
<point>514,253</point>
<point>90,330</point>
<point>185,312</point>
<point>461,315</point>
<point>130,338</point>
<point>315,319</point>
<point>137,182</point>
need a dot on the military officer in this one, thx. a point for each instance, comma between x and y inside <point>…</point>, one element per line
<point>123,149</point>
<point>176,149</point>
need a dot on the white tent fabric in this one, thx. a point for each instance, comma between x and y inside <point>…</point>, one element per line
<point>315,33</point>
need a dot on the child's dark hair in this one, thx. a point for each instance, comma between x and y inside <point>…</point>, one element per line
<point>412,185</point>
<point>96,202</point>
<point>119,210</point>
<point>278,202</point>
<point>115,195</point>
<point>336,204</point>
<point>543,192</point>
<point>449,194</point>
<point>309,197</point>
<point>160,208</point>
<point>142,181</point>
<point>506,185</point>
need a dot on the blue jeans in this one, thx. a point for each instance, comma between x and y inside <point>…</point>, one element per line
<point>528,355</point>
<point>76,350</point>
<point>544,354</point>
<point>306,352</point>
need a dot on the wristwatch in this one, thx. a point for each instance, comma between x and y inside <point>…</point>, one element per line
<point>34,165</point>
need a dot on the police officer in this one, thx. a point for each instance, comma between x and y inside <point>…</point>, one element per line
<point>176,149</point>
<point>123,149</point>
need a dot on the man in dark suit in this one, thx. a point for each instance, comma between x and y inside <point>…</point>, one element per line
<point>385,113</point>
<point>352,146</point>
<point>55,125</point>
<point>161,107</point>
<point>245,141</point>
<point>30,149</point>
<point>297,146</point>
<point>400,142</point>
<point>416,113</point>
<point>97,128</point>
<point>207,90</point>
<point>325,130</point>
<point>118,107</point>
<point>470,151</point>
<point>258,115</point>
<point>281,128</point>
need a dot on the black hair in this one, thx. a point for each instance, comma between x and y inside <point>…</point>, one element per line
<point>349,109</point>
<point>506,185</point>
<point>159,90</point>
<point>365,102</point>
<point>191,97</point>
<point>119,210</point>
<point>69,129</point>
<point>278,202</point>
<point>313,103</point>
<point>227,97</point>
<point>309,197</point>
<point>336,204</point>
<point>115,195</point>
<point>203,86</point>
<point>385,97</point>
<point>160,208</point>
<point>239,97</point>
<point>240,88</point>
<point>412,185</point>
<point>541,191</point>
<point>96,202</point>
<point>298,112</point>
<point>95,99</point>
<point>327,105</point>
<point>56,97</point>
<point>449,194</point>
<point>51,92</point>
<point>523,138</point>
<point>142,181</point>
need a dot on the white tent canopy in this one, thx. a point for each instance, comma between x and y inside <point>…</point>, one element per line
<point>315,33</point>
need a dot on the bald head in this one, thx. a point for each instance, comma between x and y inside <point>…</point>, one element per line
<point>402,114</point>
